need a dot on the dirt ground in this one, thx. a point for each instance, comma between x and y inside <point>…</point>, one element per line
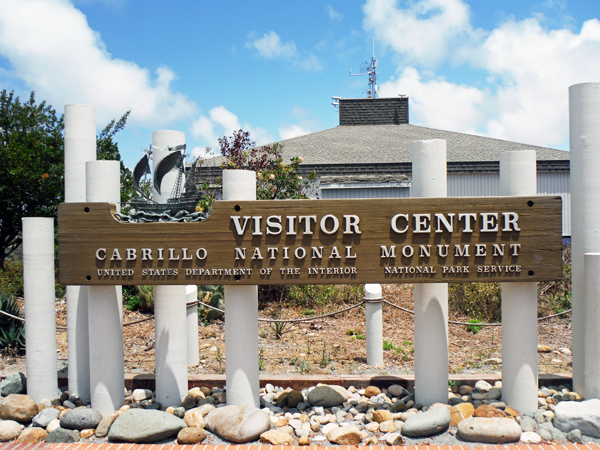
<point>334,345</point>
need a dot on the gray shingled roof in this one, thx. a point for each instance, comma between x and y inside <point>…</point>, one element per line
<point>365,144</point>
<point>393,144</point>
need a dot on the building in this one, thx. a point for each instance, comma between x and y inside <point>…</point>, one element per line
<point>369,156</point>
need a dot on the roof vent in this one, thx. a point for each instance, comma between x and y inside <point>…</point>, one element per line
<point>373,111</point>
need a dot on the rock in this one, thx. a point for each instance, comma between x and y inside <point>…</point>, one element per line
<point>346,435</point>
<point>189,401</point>
<point>327,395</point>
<point>145,426</point>
<point>18,407</point>
<point>387,427</point>
<point>373,427</point>
<point>9,430</point>
<point>86,434</point>
<point>276,437</point>
<point>575,436</point>
<point>197,393</point>
<point>69,404</point>
<point>428,423</point>
<point>392,438</point>
<point>510,411</point>
<point>15,383</point>
<point>395,390</point>
<point>304,440</point>
<point>195,416</point>
<point>483,386</point>
<point>238,424</point>
<point>191,435</point>
<point>294,397</point>
<point>80,419</point>
<point>529,437</point>
<point>139,395</point>
<point>327,428</point>
<point>488,411</point>
<point>584,416</point>
<point>494,393</point>
<point>492,430</point>
<point>545,435</point>
<point>53,426</point>
<point>105,424</point>
<point>382,415</point>
<point>465,390</point>
<point>372,391</point>
<point>32,435</point>
<point>527,424</point>
<point>44,417</point>
<point>544,349</point>
<point>62,435</point>
<point>460,412</point>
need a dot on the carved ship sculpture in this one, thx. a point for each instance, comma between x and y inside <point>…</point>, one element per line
<point>177,205</point>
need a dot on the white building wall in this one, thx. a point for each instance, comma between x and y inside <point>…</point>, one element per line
<point>462,185</point>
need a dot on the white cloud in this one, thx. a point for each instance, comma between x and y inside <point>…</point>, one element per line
<point>54,51</point>
<point>424,32</point>
<point>525,69</point>
<point>333,14</point>
<point>436,102</point>
<point>222,122</point>
<point>291,131</point>
<point>270,46</point>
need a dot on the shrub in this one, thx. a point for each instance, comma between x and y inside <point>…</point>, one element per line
<point>477,300</point>
<point>310,295</point>
<point>213,296</point>
<point>12,331</point>
<point>139,298</point>
<point>11,278</point>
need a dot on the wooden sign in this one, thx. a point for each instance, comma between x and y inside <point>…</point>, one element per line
<point>319,242</point>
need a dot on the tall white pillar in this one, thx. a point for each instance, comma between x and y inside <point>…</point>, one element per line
<point>80,147</point>
<point>431,299</point>
<point>40,314</point>
<point>193,352</point>
<point>169,301</point>
<point>107,375</point>
<point>519,301</point>
<point>592,330</point>
<point>374,319</point>
<point>584,136</point>
<point>241,313</point>
<point>171,349</point>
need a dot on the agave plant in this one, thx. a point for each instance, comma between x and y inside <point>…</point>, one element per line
<point>9,305</point>
<point>12,339</point>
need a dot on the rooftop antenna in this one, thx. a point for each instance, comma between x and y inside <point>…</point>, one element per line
<point>370,70</point>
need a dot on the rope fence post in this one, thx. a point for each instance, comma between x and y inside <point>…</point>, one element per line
<point>193,351</point>
<point>374,325</point>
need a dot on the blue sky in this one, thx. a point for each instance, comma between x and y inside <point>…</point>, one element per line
<point>499,69</point>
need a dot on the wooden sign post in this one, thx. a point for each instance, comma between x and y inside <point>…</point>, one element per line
<point>319,242</point>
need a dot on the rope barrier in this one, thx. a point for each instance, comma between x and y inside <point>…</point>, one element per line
<point>478,324</point>
<point>310,319</point>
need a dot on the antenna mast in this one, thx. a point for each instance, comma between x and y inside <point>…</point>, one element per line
<point>370,70</point>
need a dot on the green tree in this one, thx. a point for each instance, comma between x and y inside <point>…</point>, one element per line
<point>107,149</point>
<point>31,165</point>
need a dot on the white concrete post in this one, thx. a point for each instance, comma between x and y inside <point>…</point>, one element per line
<point>169,301</point>
<point>80,147</point>
<point>374,319</point>
<point>241,313</point>
<point>107,375</point>
<point>171,345</point>
<point>519,301</point>
<point>193,352</point>
<point>431,299</point>
<point>592,330</point>
<point>40,315</point>
<point>584,136</point>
